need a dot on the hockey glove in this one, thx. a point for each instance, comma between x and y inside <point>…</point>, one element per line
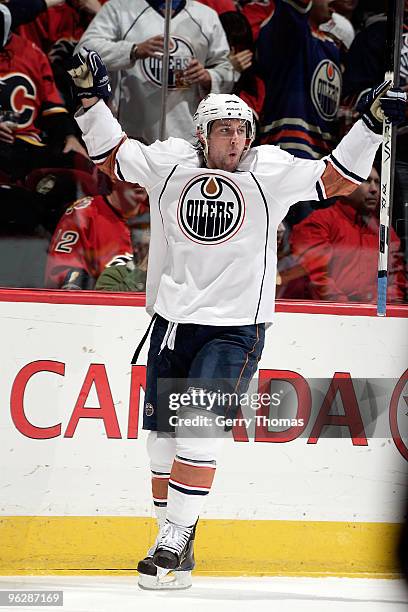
<point>90,75</point>
<point>382,101</point>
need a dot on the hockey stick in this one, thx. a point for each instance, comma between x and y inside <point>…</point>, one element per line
<point>393,57</point>
<point>165,69</point>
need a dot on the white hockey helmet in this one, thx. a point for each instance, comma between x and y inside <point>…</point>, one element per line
<point>223,106</point>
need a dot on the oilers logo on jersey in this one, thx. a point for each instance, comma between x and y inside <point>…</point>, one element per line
<point>211,209</point>
<point>326,89</point>
<point>181,53</point>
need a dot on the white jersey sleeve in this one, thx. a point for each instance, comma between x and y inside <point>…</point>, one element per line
<point>129,160</point>
<point>289,179</point>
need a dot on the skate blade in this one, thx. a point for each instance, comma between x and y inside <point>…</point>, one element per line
<point>165,580</point>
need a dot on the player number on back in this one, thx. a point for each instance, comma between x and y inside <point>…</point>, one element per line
<point>66,241</point>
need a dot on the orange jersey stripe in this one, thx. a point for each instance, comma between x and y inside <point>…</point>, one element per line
<point>108,166</point>
<point>335,183</point>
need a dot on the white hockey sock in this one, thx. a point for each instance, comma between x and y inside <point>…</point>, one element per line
<point>161,449</point>
<point>189,484</point>
<point>193,469</point>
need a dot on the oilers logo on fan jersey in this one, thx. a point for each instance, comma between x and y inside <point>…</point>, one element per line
<point>326,89</point>
<point>211,209</point>
<point>181,53</point>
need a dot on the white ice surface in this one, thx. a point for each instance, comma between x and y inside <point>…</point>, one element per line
<point>121,594</point>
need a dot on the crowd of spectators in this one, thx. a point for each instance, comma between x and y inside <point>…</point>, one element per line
<point>302,66</point>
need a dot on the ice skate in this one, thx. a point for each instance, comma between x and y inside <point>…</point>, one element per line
<point>152,577</point>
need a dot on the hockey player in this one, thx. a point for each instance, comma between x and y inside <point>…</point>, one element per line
<point>215,209</point>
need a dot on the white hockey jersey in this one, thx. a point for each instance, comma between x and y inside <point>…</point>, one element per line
<point>196,32</point>
<point>212,256</point>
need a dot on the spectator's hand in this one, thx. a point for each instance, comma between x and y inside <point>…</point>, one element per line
<point>195,73</point>
<point>150,48</point>
<point>90,75</point>
<point>242,60</point>
<point>90,6</point>
<point>6,133</point>
<point>72,144</point>
<point>382,101</point>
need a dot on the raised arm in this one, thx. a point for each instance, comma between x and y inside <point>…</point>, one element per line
<point>346,167</point>
<point>108,146</point>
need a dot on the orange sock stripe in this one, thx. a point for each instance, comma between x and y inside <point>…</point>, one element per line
<point>192,475</point>
<point>159,488</point>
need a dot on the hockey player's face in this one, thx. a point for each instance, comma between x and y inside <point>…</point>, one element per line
<point>226,144</point>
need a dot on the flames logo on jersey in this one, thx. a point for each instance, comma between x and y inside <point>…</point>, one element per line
<point>79,204</point>
<point>18,93</point>
<point>211,209</point>
<point>326,89</point>
<point>181,53</point>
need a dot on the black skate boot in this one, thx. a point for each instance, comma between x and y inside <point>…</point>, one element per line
<point>175,549</point>
<point>179,578</point>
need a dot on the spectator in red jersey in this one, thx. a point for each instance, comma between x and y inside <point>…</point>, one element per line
<point>338,248</point>
<point>30,105</point>
<point>57,31</point>
<point>92,235</point>
<point>249,86</point>
<point>66,21</point>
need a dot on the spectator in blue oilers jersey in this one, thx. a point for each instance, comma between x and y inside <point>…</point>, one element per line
<point>129,38</point>
<point>301,68</point>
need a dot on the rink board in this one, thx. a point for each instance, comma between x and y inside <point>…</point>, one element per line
<point>75,486</point>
